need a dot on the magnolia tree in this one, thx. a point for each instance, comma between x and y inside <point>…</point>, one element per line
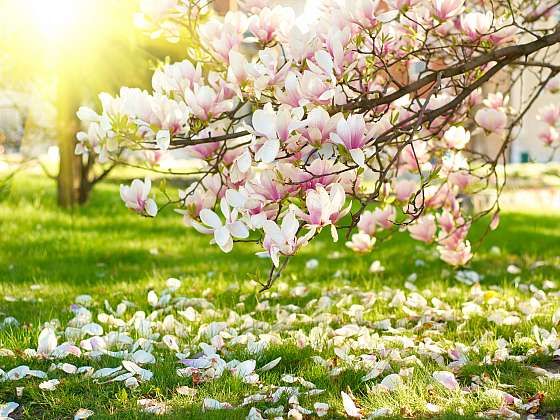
<point>358,122</point>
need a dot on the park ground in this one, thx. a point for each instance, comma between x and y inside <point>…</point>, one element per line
<point>49,256</point>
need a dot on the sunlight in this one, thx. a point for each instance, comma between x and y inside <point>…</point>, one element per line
<point>56,18</point>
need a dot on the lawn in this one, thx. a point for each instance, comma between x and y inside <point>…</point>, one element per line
<point>331,325</point>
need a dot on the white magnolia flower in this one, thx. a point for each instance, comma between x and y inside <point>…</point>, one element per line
<point>136,197</point>
<point>223,232</point>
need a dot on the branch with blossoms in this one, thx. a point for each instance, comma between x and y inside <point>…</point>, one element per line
<point>360,121</point>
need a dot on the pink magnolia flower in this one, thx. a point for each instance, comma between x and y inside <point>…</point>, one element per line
<point>320,126</point>
<point>415,155</point>
<point>550,114</point>
<point>496,101</point>
<point>275,127</point>
<point>404,188</point>
<point>447,9</point>
<point>206,150</point>
<point>214,185</point>
<point>456,137</point>
<point>269,70</point>
<point>136,197</point>
<point>385,217</point>
<point>205,103</point>
<point>476,24</point>
<point>320,172</point>
<point>269,186</point>
<point>505,34</point>
<point>368,14</point>
<point>194,203</point>
<point>270,24</point>
<point>458,256</point>
<point>550,136</point>
<point>461,179</point>
<point>317,89</point>
<point>446,221</point>
<point>367,223</point>
<point>492,120</point>
<point>325,208</point>
<point>223,232</point>
<point>352,134</point>
<point>292,94</point>
<point>301,45</point>
<point>475,98</point>
<point>361,243</point>
<point>177,77</point>
<point>283,240</point>
<point>495,222</point>
<point>153,157</point>
<point>237,71</point>
<point>224,37</point>
<point>453,238</point>
<point>424,229</point>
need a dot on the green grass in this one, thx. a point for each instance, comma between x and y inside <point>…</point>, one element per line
<point>49,256</point>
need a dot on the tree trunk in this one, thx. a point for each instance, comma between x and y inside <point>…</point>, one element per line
<point>67,127</point>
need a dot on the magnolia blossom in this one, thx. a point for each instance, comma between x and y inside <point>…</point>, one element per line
<point>367,223</point>
<point>361,243</point>
<point>550,136</point>
<point>496,101</point>
<point>136,197</point>
<point>352,134</point>
<point>319,126</point>
<point>223,232</point>
<point>366,13</point>
<point>223,37</point>
<point>268,24</point>
<point>553,84</point>
<point>550,115</point>
<point>283,240</point>
<point>325,208</point>
<point>275,127</point>
<point>384,217</point>
<point>476,24</point>
<point>447,9</point>
<point>458,256</point>
<point>205,102</point>
<point>177,77</point>
<point>457,137</point>
<point>404,188</point>
<point>492,120</point>
<point>424,229</point>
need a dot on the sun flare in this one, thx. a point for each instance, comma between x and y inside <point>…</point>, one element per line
<point>55,19</point>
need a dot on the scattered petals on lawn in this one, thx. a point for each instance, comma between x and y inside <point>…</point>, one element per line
<point>83,413</point>
<point>390,340</point>
<point>7,409</point>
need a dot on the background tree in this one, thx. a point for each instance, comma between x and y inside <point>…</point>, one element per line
<point>44,43</point>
